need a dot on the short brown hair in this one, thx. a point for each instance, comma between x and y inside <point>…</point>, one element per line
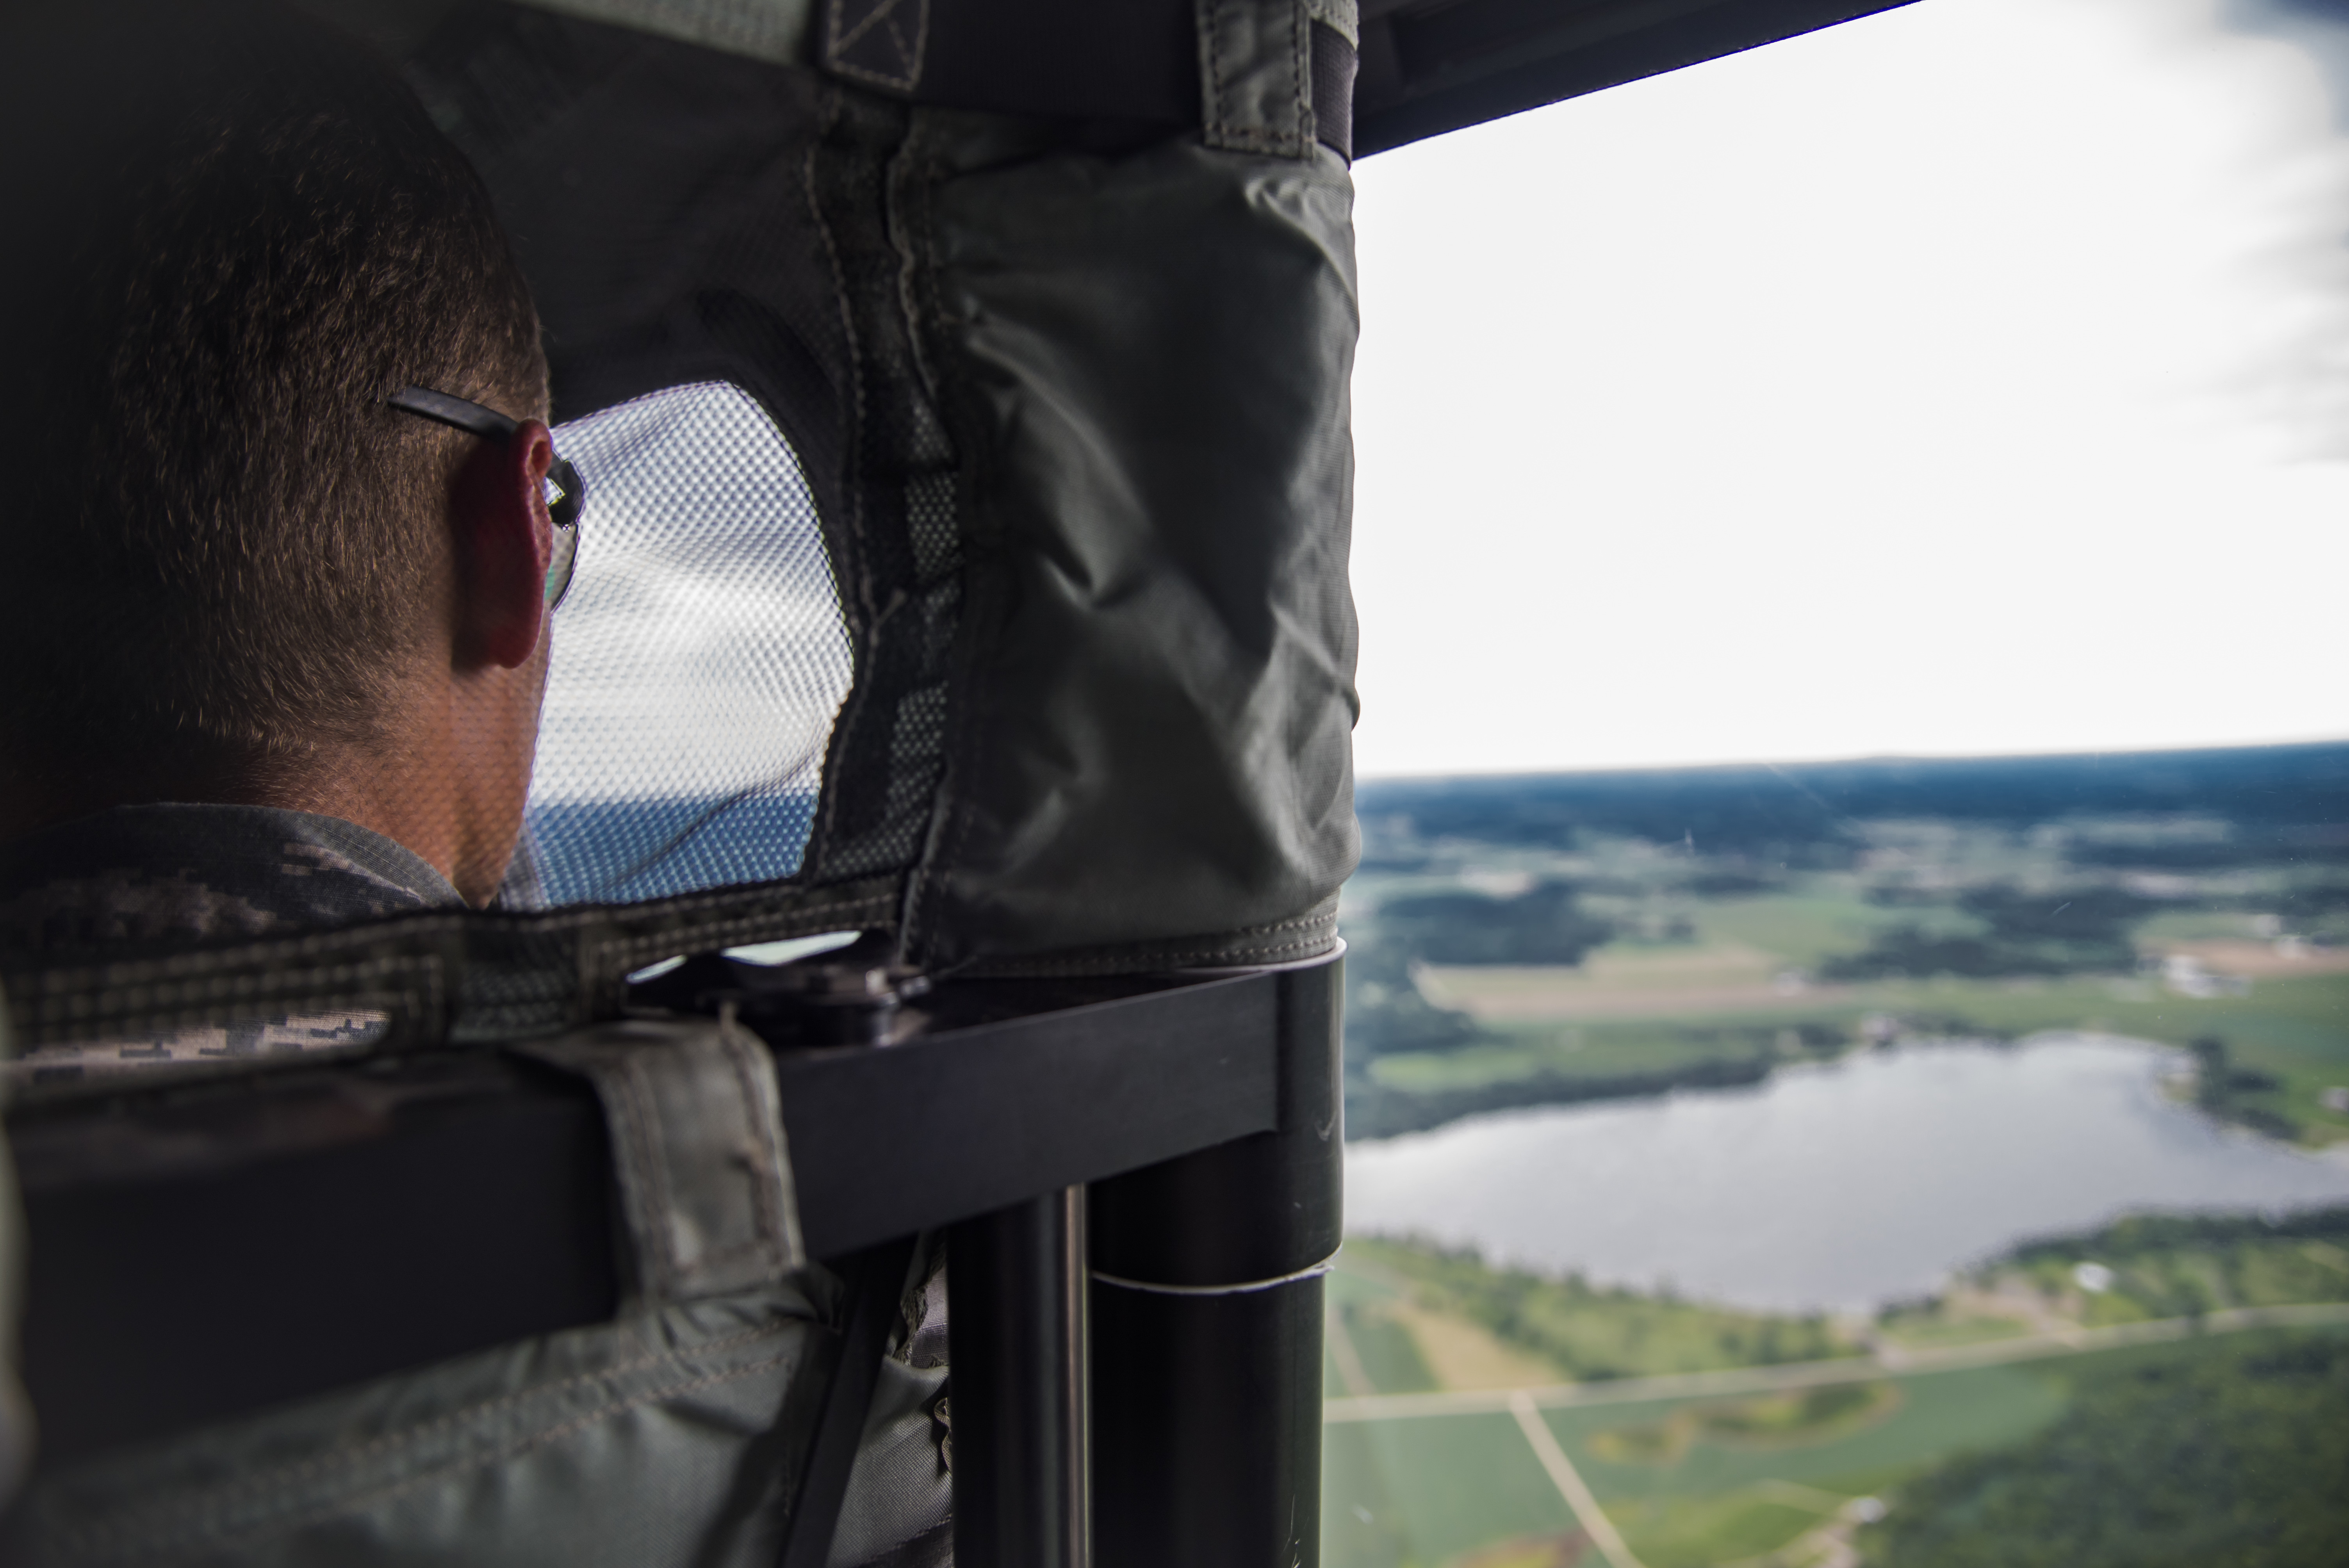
<point>237,233</point>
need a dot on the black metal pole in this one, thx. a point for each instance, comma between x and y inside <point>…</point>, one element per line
<point>1017,1324</point>
<point>1206,1303</point>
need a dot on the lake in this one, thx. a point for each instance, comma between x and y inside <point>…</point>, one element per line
<point>1839,1185</point>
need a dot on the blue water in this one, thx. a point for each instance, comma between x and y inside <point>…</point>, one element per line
<point>1842,1185</point>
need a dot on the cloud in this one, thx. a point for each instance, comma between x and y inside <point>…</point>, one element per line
<point>1960,380</point>
<point>702,651</point>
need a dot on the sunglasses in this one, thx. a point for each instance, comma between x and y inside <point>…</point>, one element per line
<point>567,492</point>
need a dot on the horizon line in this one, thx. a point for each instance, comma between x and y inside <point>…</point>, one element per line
<point>1849,759</point>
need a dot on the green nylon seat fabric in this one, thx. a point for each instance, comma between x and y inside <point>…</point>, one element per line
<point>1071,399</point>
<point>1071,403</point>
<point>677,1433</point>
<point>664,1439</point>
<point>1152,351</point>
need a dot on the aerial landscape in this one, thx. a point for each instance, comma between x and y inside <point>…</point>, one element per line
<point>1910,1164</point>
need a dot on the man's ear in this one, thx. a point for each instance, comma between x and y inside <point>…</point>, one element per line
<point>504,541</point>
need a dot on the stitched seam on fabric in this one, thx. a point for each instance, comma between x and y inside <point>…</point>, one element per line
<point>885,13</point>
<point>871,18</point>
<point>858,73</point>
<point>935,349</point>
<point>1299,924</point>
<point>220,1535</point>
<point>1300,76</point>
<point>299,956</point>
<point>1316,926</point>
<point>406,978</point>
<point>639,1117</point>
<point>857,570</point>
<point>82,1000</point>
<point>1179,954</point>
<point>285,1476</point>
<point>687,1277</point>
<point>272,961</point>
<point>765,1164</point>
<point>656,944</point>
<point>1218,123</point>
<point>1124,963</point>
<point>1256,141</point>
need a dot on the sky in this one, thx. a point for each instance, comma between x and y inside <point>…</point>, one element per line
<point>1968,379</point>
<point>701,651</point>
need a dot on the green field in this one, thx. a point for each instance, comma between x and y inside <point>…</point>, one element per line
<point>1936,1413</point>
<point>1778,1457</point>
<point>1389,1360</point>
<point>1571,1330</point>
<point>1422,1492</point>
<point>1739,995</point>
<point>1550,941</point>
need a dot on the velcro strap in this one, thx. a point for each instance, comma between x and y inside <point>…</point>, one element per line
<point>698,1148</point>
<point>1264,76</point>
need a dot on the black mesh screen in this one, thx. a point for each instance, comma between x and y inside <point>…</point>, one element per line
<point>698,662</point>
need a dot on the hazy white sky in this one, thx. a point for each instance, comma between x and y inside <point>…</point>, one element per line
<point>1970,378</point>
<point>701,651</point>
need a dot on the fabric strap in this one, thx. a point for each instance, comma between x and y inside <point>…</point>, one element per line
<point>698,1145</point>
<point>1258,76</point>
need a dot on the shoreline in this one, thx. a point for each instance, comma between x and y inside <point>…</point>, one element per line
<point>1817,1374</point>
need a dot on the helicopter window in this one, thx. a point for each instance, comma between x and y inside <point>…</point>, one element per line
<point>1760,1157</point>
<point>697,662</point>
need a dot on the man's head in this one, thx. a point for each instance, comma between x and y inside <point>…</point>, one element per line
<point>235,573</point>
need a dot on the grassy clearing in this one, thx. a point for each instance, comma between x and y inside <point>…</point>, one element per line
<point>1620,968</point>
<point>1797,1419</point>
<point>1390,1350</point>
<point>1462,1353</point>
<point>1363,1323</point>
<point>1525,1051</point>
<point>1418,1494</point>
<point>1698,1533</point>
<point>1938,1414</point>
<point>1798,930</point>
<point>1934,1327</point>
<point>1723,1499</point>
<point>1579,1331</point>
<point>2294,1030</point>
<point>1532,1552</point>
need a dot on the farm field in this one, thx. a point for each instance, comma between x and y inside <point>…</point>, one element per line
<point>1690,1482</point>
<point>1550,941</point>
<point>1742,1005</point>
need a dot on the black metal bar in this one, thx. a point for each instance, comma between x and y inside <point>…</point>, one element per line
<point>875,1280</point>
<point>1208,1292</point>
<point>1005,1091</point>
<point>979,1115</point>
<point>1207,1431</point>
<point>450,1201</point>
<point>1433,68</point>
<point>1017,1328</point>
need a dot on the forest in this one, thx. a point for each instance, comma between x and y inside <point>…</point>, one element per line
<point>2240,1457</point>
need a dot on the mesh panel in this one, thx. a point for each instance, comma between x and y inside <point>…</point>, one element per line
<point>696,665</point>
